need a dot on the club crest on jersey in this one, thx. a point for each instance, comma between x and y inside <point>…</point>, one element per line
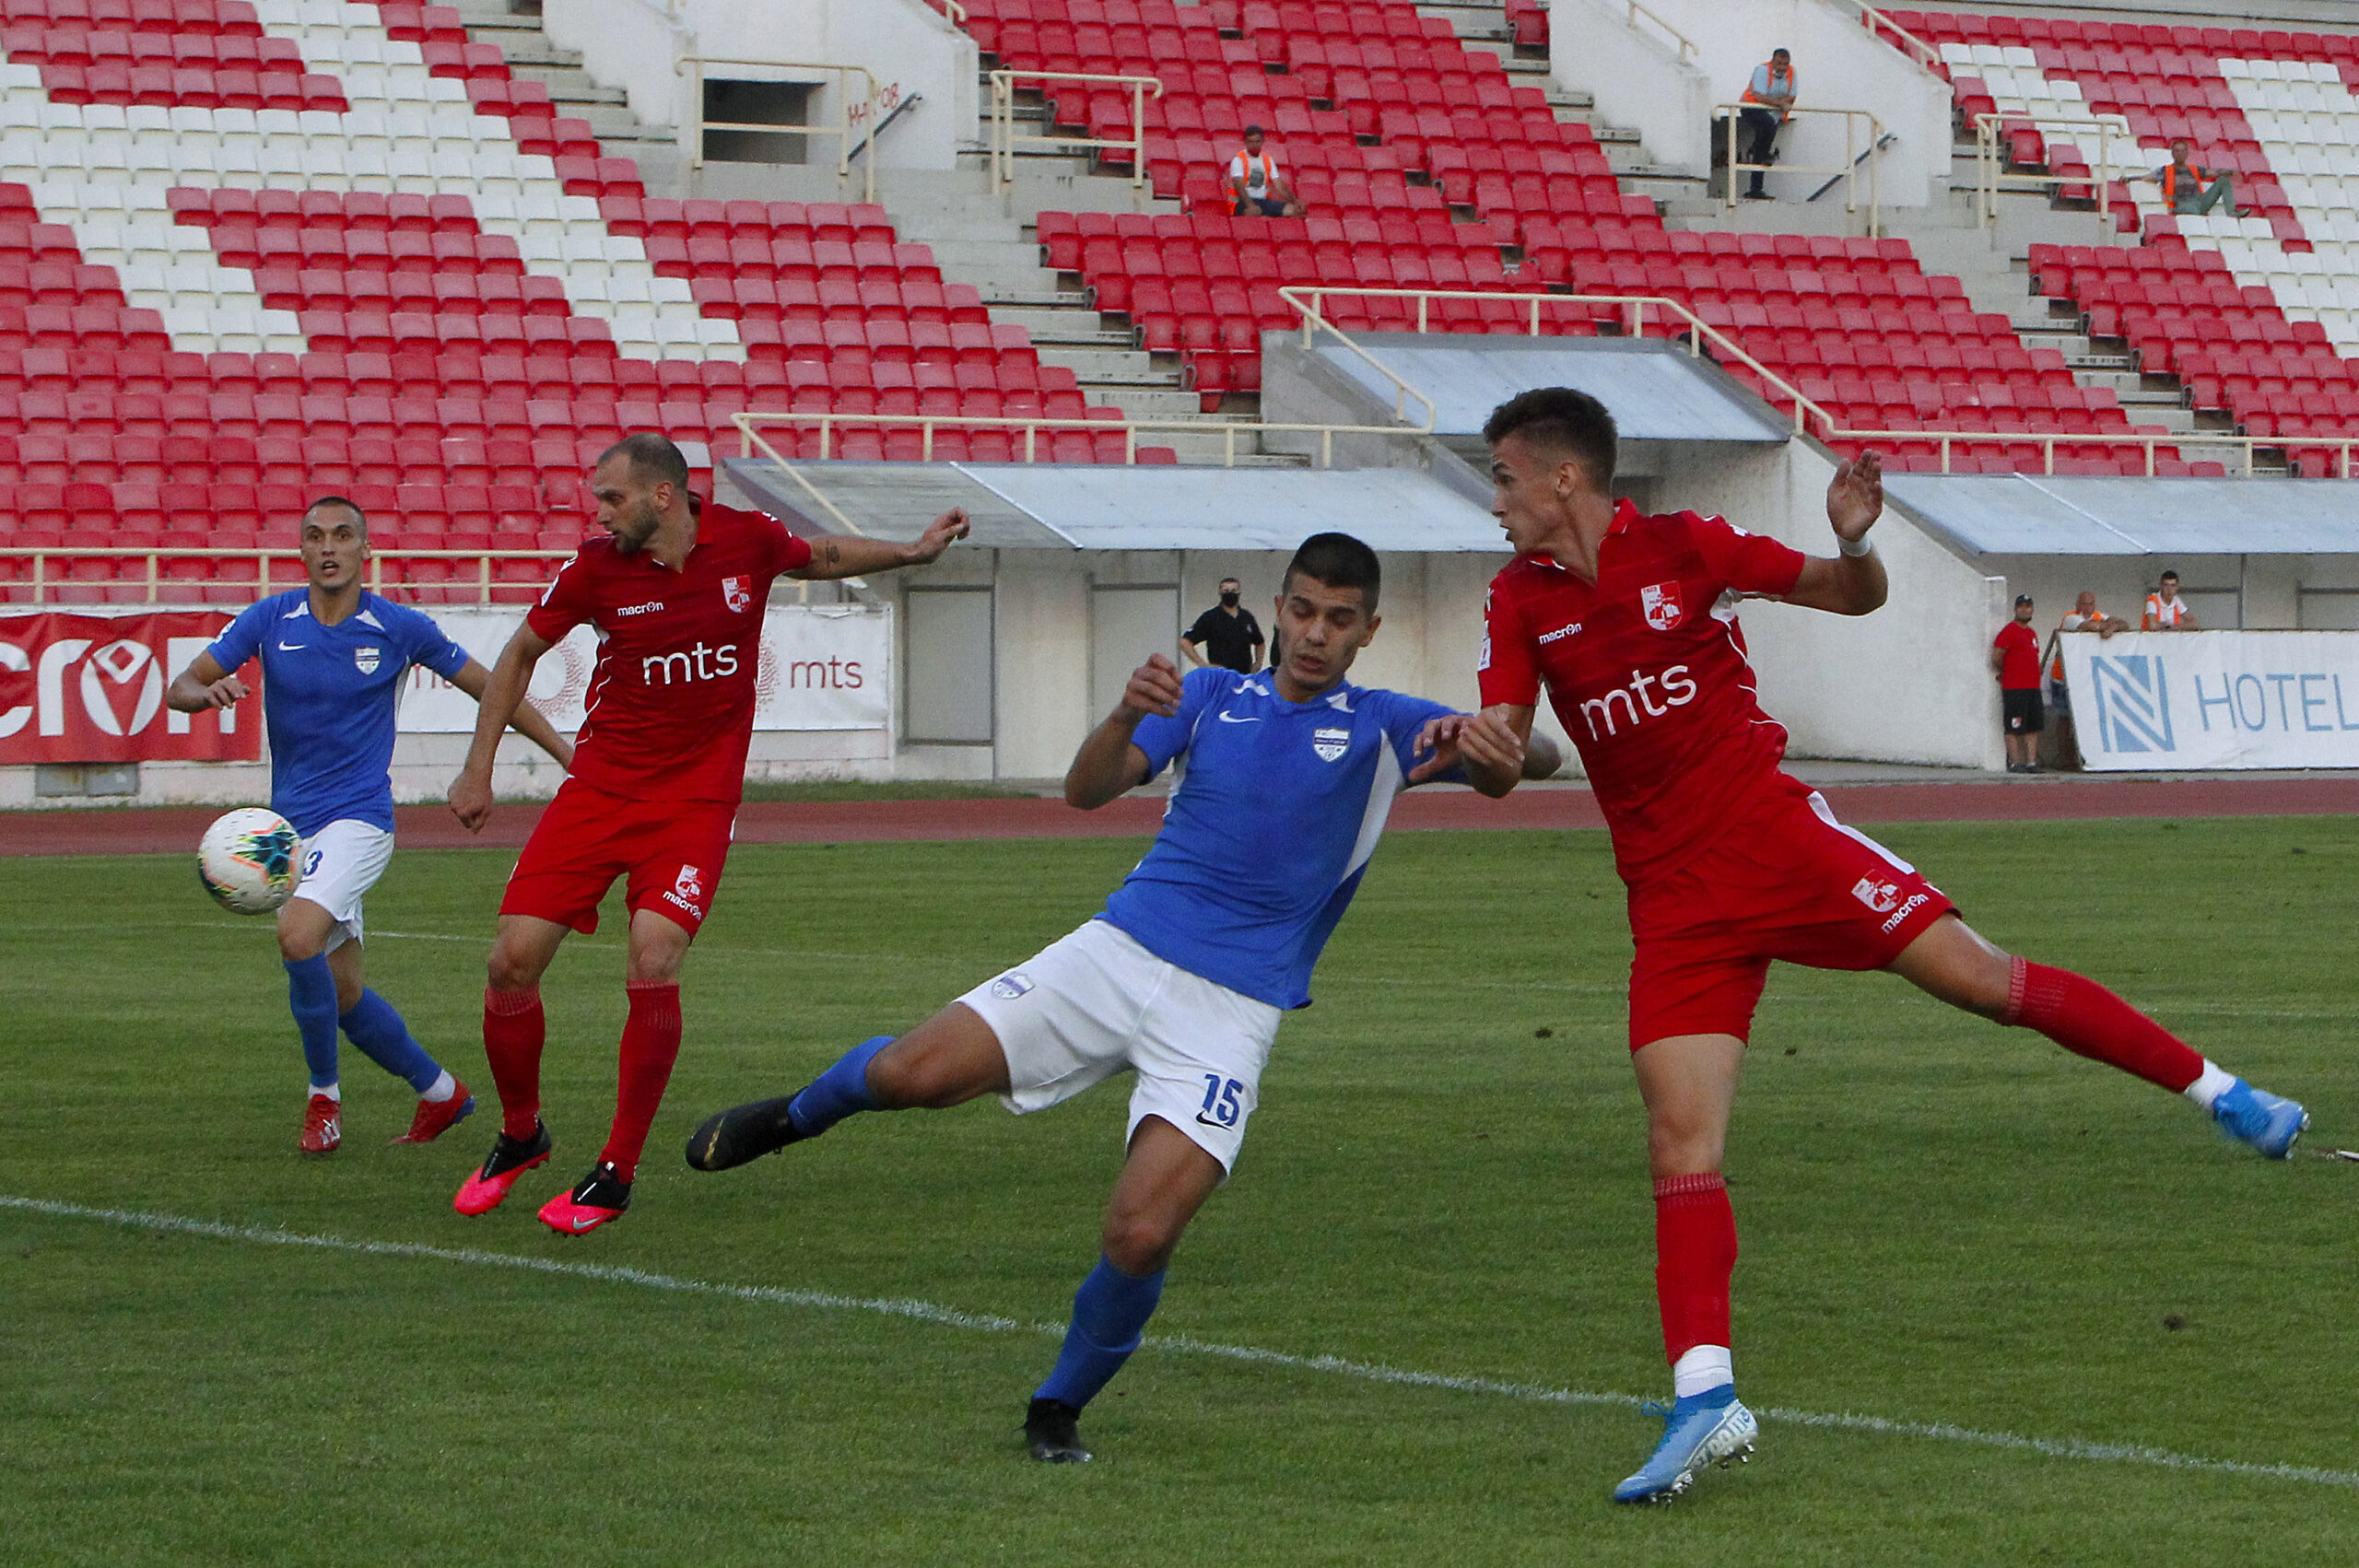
<point>690,883</point>
<point>737,593</point>
<point>368,659</point>
<point>1010,986</point>
<point>1330,744</point>
<point>1659,601</point>
<point>1881,896</point>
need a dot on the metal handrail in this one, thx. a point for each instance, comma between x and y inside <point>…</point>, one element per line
<point>1686,48</point>
<point>1732,114</point>
<point>1991,168</point>
<point>1033,424</point>
<point>263,557</point>
<point>1003,136</point>
<point>1306,299</point>
<point>693,67</point>
<point>1924,54</point>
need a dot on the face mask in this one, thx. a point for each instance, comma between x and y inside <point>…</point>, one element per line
<point>1229,601</point>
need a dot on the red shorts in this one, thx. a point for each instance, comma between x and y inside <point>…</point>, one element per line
<point>672,850</point>
<point>1792,882</point>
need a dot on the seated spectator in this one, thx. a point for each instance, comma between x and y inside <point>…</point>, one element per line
<point>2165,611</point>
<point>2184,190</point>
<point>2085,616</point>
<point>1768,102</point>
<point>1254,179</point>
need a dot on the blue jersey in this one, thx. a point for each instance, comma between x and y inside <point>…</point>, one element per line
<point>329,697</point>
<point>1277,809</point>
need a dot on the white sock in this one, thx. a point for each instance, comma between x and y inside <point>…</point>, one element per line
<point>2210,1084</point>
<point>333,1091</point>
<point>1701,1370</point>
<point>445,1087</point>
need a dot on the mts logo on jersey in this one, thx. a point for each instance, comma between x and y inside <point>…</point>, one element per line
<point>1659,601</point>
<point>698,663</point>
<point>1637,704</point>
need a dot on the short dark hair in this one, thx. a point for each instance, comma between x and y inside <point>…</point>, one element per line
<point>654,459</point>
<point>2167,577</point>
<point>346,503</point>
<point>1339,561</point>
<point>1562,420</point>
<point>1253,130</point>
<point>1781,49</point>
<point>1240,582</point>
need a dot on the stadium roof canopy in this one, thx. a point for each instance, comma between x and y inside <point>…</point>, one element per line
<point>1111,507</point>
<point>1656,390</point>
<point>2031,514</point>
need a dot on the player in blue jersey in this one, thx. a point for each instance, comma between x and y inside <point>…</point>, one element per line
<point>1287,778</point>
<point>334,659</point>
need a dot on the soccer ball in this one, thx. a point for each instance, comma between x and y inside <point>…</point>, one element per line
<point>247,861</point>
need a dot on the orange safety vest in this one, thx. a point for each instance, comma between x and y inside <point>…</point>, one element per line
<point>1791,81</point>
<point>1245,160</point>
<point>2170,183</point>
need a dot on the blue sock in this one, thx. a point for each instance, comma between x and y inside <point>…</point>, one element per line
<point>377,1029</point>
<point>1109,1312</point>
<point>838,1092</point>
<point>310,996</point>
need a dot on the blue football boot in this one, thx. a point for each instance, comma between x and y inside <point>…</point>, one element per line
<point>1710,1428</point>
<point>2269,1122</point>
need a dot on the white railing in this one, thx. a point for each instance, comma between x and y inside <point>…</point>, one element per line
<point>1732,115</point>
<point>1005,137</point>
<point>1992,175</point>
<point>1033,427</point>
<point>851,114</point>
<point>1688,50</point>
<point>1810,418</point>
<point>263,559</point>
<point>1915,48</point>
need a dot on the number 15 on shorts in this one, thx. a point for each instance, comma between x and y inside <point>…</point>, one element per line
<point>1221,1107</point>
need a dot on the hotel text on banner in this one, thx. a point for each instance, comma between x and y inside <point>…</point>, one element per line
<point>2192,700</point>
<point>823,667</point>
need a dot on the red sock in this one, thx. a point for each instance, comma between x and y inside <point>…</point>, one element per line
<point>1695,1255</point>
<point>514,1028</point>
<point>650,1044</point>
<point>2085,1018</point>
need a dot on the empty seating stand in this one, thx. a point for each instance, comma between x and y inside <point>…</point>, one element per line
<point>2256,313</point>
<point>251,253</point>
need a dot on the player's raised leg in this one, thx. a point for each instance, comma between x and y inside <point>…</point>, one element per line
<point>514,1029</point>
<point>950,1058</point>
<point>1689,1084</point>
<point>1954,961</point>
<point>650,1045</point>
<point>371,1023</point>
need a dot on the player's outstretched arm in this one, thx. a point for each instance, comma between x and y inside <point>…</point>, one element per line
<point>475,680</point>
<point>1109,762</point>
<point>848,554</point>
<point>1496,747</point>
<point>201,686</point>
<point>1852,584</point>
<point>470,794</point>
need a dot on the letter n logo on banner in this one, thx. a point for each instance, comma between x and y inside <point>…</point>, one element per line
<point>2133,704</point>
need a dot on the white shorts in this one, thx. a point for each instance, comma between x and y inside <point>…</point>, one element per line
<point>1092,1003</point>
<point>341,862</point>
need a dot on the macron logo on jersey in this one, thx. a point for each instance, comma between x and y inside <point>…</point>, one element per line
<point>1638,703</point>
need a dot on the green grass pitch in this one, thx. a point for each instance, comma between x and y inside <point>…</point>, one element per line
<point>1944,1223</point>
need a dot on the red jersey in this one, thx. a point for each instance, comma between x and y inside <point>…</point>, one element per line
<point>671,704</point>
<point>1647,671</point>
<point>2019,668</point>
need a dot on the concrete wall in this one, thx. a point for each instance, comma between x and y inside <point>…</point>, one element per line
<point>908,46</point>
<point>1637,76</point>
<point>1838,65</point>
<point>1908,684</point>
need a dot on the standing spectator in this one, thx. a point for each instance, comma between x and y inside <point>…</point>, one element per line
<point>1255,182</point>
<point>2014,657</point>
<point>2085,616</point>
<point>1768,102</point>
<point>2192,189</point>
<point>2165,611</point>
<point>1229,631</point>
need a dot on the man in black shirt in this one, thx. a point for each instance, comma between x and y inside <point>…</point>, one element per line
<point>1226,635</point>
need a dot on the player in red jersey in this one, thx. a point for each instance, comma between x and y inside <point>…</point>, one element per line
<point>678,596</point>
<point>1629,622</point>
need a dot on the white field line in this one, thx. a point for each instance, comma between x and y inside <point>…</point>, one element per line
<point>1368,1371</point>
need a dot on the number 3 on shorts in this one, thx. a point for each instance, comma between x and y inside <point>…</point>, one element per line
<point>1221,1108</point>
<point>312,864</point>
